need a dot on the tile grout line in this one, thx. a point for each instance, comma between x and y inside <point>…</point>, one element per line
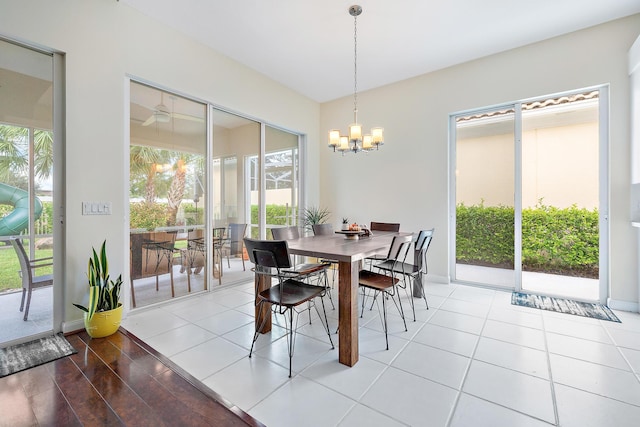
<point>554,399</point>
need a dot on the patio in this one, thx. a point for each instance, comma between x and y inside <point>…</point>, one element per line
<point>41,313</point>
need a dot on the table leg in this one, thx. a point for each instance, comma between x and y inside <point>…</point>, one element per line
<point>262,282</point>
<point>348,312</point>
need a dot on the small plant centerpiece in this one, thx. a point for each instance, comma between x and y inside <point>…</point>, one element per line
<point>345,224</point>
<point>103,313</point>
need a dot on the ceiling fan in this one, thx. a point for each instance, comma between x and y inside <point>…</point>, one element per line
<point>162,114</point>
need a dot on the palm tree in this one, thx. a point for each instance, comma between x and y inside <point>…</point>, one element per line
<point>176,190</point>
<point>143,161</point>
<point>14,158</point>
<point>43,153</point>
<point>14,147</point>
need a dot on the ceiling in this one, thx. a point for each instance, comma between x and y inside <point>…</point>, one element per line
<point>308,45</point>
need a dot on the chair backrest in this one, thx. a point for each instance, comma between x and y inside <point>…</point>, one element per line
<point>268,253</point>
<point>422,246</point>
<point>322,229</point>
<point>384,226</point>
<point>399,248</point>
<point>24,262</point>
<point>285,233</point>
<point>219,235</point>
<point>197,233</point>
<point>165,237</point>
<point>424,240</point>
<point>236,234</point>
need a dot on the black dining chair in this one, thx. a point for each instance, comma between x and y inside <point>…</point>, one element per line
<point>380,226</point>
<point>305,270</point>
<point>414,271</point>
<point>385,284</point>
<point>271,258</point>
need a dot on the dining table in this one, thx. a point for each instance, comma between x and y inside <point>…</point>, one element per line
<point>349,252</point>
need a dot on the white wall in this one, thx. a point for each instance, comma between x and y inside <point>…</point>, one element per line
<point>103,42</point>
<point>406,180</point>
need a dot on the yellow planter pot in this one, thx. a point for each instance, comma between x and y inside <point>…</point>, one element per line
<point>103,323</point>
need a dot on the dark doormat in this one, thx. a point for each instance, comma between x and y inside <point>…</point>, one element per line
<point>27,355</point>
<point>579,308</point>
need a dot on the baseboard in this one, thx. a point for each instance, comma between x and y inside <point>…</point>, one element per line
<point>633,307</point>
<point>73,326</point>
<point>438,279</point>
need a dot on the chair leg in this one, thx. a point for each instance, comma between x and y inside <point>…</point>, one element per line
<point>424,295</point>
<point>133,295</point>
<point>26,309</point>
<point>326,321</point>
<point>290,340</point>
<point>409,292</point>
<point>24,293</point>
<point>384,321</point>
<point>400,308</point>
<point>327,289</point>
<point>262,322</point>
<point>173,292</point>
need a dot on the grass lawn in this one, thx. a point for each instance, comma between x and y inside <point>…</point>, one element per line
<point>10,266</point>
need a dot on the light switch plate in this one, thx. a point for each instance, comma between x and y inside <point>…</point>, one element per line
<point>96,208</point>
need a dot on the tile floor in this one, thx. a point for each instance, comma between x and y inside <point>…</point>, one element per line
<point>472,359</point>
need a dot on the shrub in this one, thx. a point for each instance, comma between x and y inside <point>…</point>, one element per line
<point>554,240</point>
<point>147,216</point>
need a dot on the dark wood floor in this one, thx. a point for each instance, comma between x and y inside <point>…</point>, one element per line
<point>113,381</point>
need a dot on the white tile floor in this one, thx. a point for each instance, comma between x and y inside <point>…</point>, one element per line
<point>472,359</point>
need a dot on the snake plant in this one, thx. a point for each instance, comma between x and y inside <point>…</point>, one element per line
<point>314,215</point>
<point>104,294</point>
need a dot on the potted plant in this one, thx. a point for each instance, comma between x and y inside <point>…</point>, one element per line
<point>103,312</point>
<point>314,215</point>
<point>345,224</point>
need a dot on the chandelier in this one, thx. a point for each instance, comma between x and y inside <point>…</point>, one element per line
<point>355,141</point>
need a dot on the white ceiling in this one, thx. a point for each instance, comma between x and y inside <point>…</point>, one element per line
<point>308,45</point>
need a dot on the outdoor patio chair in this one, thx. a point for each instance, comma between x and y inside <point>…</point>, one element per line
<point>27,269</point>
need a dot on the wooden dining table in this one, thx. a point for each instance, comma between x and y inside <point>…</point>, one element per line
<point>349,253</point>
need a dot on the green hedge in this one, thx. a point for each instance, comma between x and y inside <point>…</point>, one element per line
<point>561,241</point>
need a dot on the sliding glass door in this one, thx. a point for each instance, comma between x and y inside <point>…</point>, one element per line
<point>529,199</point>
<point>27,196</point>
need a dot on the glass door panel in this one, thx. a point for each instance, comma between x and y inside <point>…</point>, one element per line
<point>485,216</point>
<point>560,196</point>
<point>281,178</point>
<point>26,187</point>
<point>168,241</point>
<point>235,195</point>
